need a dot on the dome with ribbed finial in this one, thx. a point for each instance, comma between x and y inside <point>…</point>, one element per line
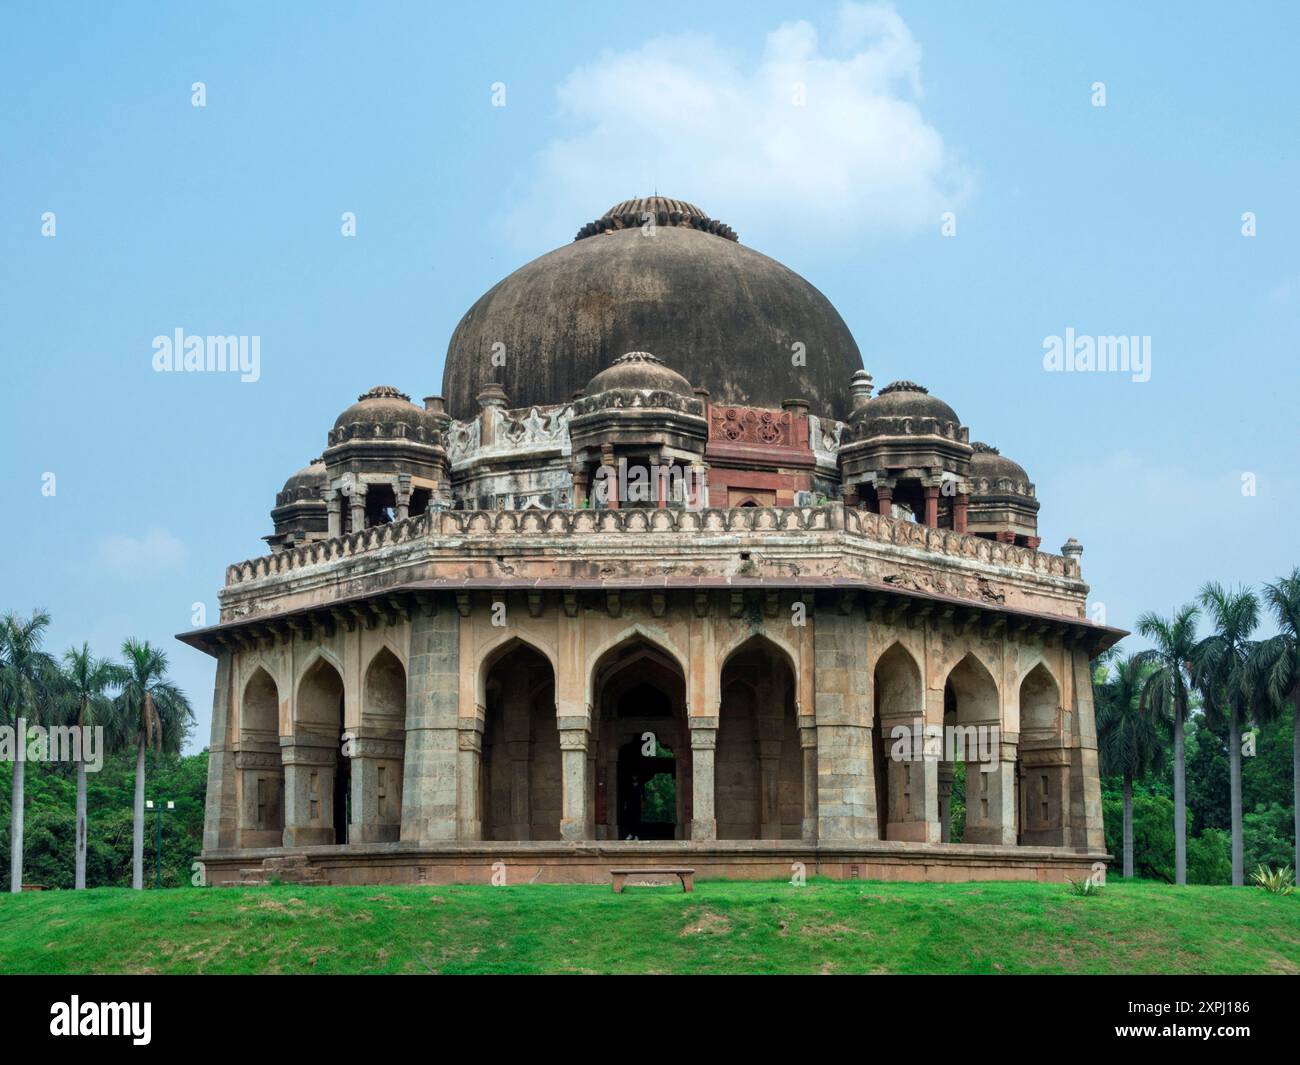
<point>639,370</point>
<point>728,318</point>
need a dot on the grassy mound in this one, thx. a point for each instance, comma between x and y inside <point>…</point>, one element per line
<point>824,927</point>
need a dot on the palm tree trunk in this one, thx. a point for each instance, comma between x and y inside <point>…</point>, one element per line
<point>137,843</point>
<point>1128,826</point>
<point>1180,800</point>
<point>1234,795</point>
<point>1295,769</point>
<point>79,881</point>
<point>16,818</point>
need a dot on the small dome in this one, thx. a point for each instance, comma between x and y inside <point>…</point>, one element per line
<point>991,472</point>
<point>639,370</point>
<point>906,408</point>
<point>305,484</point>
<point>380,412</point>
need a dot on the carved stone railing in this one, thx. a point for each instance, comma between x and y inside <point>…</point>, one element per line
<point>495,524</point>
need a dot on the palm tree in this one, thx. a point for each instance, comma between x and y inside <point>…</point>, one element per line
<point>85,704</point>
<point>1132,746</point>
<point>1166,695</point>
<point>1219,670</point>
<point>155,713</point>
<point>1275,669</point>
<point>27,676</point>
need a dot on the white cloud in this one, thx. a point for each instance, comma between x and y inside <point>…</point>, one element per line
<point>146,557</point>
<point>699,122</point>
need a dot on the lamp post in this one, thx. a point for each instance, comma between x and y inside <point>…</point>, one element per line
<point>150,805</point>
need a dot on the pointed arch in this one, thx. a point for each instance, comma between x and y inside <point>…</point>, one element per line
<point>654,639</point>
<point>973,690</point>
<point>899,692</point>
<point>259,715</point>
<point>1040,702</point>
<point>506,643</point>
<point>778,646</point>
<point>383,691</point>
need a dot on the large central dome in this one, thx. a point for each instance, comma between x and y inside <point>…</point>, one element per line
<point>725,317</point>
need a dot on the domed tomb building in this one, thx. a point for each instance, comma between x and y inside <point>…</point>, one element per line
<point>658,580</point>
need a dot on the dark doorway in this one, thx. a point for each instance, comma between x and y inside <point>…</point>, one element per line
<point>647,792</point>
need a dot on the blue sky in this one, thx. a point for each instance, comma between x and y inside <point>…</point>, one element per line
<point>1123,219</point>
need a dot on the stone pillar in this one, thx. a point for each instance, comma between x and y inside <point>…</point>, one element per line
<point>846,787</point>
<point>850,495</point>
<point>357,503</point>
<point>309,768</point>
<point>913,785</point>
<point>704,742</point>
<point>990,799</point>
<point>220,822</point>
<point>402,493</point>
<point>575,813</point>
<point>960,509</point>
<point>334,511</point>
<point>429,784</point>
<point>700,482</point>
<point>884,496</point>
<point>376,783</point>
<point>808,745</point>
<point>469,777</point>
<point>259,784</point>
<point>609,476</point>
<point>932,505</point>
<point>769,806</point>
<point>580,481</point>
<point>1086,821</point>
<point>947,777</point>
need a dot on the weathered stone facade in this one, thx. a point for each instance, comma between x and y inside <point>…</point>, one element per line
<point>647,621</point>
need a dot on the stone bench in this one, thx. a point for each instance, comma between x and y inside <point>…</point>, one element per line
<point>686,876</point>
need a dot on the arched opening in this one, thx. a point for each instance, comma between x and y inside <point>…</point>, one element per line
<point>521,780</point>
<point>320,796</point>
<point>972,808</point>
<point>758,767</point>
<point>378,752</point>
<point>898,705</point>
<point>261,773</point>
<point>1040,774</point>
<point>642,749</point>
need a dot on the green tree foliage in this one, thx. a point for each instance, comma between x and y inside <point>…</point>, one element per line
<point>51,820</point>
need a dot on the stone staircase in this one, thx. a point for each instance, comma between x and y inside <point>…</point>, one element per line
<point>290,869</point>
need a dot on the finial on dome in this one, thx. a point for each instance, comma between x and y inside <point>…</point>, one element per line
<point>659,210</point>
<point>383,392</point>
<point>904,386</point>
<point>987,449</point>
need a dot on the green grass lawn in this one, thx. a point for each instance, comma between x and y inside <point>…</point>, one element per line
<point>741,927</point>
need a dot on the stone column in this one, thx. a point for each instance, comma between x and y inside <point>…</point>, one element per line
<point>990,799</point>
<point>609,476</point>
<point>704,743</point>
<point>580,480</point>
<point>429,785</point>
<point>846,786</point>
<point>220,822</point>
<point>884,496</point>
<point>947,777</point>
<point>932,505</point>
<point>700,482</point>
<point>376,789</point>
<point>913,782</point>
<point>402,494</point>
<point>334,511</point>
<point>357,503</point>
<point>808,745</point>
<point>575,814</point>
<point>469,777</point>
<point>309,769</point>
<point>960,509</point>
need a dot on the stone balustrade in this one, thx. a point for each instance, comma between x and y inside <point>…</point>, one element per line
<point>494,524</point>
